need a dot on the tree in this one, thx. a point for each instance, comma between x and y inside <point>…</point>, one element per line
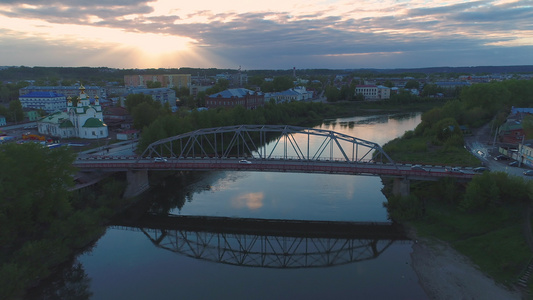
<point>153,84</point>
<point>16,114</point>
<point>133,100</point>
<point>332,93</point>
<point>412,84</point>
<point>388,84</point>
<point>527,126</point>
<point>144,114</point>
<point>430,90</point>
<point>200,99</point>
<point>34,188</point>
<point>256,80</point>
<point>282,83</point>
<point>220,86</point>
<point>347,93</point>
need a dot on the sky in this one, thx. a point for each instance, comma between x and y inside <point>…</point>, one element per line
<point>274,34</point>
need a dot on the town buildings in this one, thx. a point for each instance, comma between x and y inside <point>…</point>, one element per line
<point>373,92</point>
<point>67,91</point>
<point>166,80</point>
<point>295,94</point>
<point>47,101</point>
<point>83,120</point>
<point>233,97</point>
<point>162,95</point>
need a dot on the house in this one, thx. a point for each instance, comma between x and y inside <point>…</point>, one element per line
<point>117,117</point>
<point>511,132</point>
<point>233,97</point>
<point>128,135</point>
<point>3,121</point>
<point>31,114</point>
<point>294,94</point>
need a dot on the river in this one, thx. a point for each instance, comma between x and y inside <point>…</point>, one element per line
<point>129,263</point>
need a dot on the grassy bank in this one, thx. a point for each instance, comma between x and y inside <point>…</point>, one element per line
<point>482,219</point>
<point>492,239</point>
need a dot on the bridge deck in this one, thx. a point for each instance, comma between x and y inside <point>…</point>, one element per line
<point>272,165</point>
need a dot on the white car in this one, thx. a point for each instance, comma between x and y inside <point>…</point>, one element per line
<point>244,161</point>
<point>160,159</point>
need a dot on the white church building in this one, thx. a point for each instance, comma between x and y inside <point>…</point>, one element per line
<point>81,121</point>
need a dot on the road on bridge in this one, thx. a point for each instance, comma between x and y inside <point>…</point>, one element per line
<point>125,163</point>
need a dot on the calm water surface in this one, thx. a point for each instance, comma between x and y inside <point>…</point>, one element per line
<point>127,264</point>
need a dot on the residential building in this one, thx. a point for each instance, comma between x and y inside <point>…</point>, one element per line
<point>67,91</point>
<point>47,101</point>
<point>236,80</point>
<point>525,153</point>
<point>162,95</point>
<point>294,94</point>
<point>83,120</point>
<point>166,80</point>
<point>233,97</point>
<point>373,92</point>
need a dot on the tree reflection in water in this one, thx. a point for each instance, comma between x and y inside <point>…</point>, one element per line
<point>71,283</point>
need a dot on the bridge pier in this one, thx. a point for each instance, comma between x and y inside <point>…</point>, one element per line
<point>401,187</point>
<point>137,183</point>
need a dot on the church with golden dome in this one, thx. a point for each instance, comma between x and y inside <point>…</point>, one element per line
<point>83,120</point>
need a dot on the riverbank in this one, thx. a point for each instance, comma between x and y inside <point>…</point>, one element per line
<point>445,273</point>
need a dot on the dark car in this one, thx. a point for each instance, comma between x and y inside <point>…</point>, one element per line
<point>513,163</point>
<point>501,157</point>
<point>528,173</point>
<point>480,169</point>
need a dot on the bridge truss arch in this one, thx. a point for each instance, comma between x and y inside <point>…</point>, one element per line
<point>268,142</point>
<point>267,251</point>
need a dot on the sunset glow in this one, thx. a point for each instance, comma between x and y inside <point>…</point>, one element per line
<point>274,34</point>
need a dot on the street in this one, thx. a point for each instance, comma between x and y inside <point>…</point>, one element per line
<point>481,145</point>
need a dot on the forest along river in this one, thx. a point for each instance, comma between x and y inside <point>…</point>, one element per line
<point>129,263</point>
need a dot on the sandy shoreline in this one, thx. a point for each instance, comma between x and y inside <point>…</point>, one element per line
<point>446,274</point>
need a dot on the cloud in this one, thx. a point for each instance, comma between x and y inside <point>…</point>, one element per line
<point>251,201</point>
<point>315,34</point>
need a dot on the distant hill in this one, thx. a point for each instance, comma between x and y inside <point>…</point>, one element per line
<point>54,74</point>
<point>468,70</point>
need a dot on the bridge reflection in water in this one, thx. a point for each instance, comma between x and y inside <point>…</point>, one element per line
<point>268,243</point>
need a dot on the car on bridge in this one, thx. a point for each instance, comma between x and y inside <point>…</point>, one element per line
<point>454,170</point>
<point>160,159</point>
<point>244,161</point>
<point>418,168</point>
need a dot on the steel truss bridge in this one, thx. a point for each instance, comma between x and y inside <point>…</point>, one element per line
<point>263,244</point>
<point>284,142</point>
<point>271,148</point>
